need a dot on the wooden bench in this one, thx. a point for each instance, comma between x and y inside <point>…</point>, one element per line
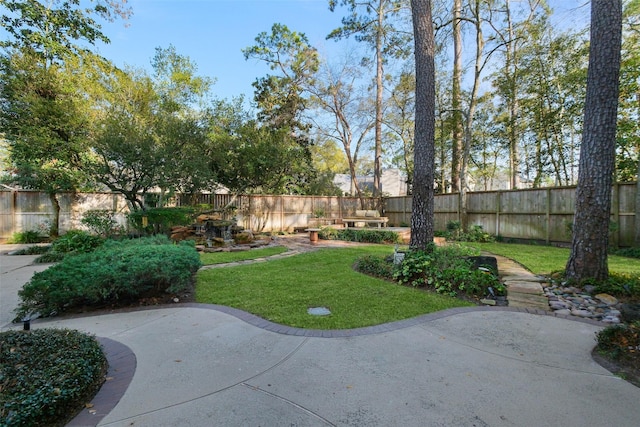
<point>366,217</point>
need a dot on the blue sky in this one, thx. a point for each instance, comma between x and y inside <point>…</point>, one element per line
<point>213,33</point>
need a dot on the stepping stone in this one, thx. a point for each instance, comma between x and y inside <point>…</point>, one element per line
<point>524,287</point>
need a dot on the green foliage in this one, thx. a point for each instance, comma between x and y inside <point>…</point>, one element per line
<point>44,121</point>
<point>454,228</point>
<point>117,272</point>
<point>279,96</point>
<point>256,158</point>
<point>628,252</point>
<point>476,233</point>
<point>29,236</point>
<point>377,266</point>
<point>282,160</point>
<point>46,375</point>
<point>446,270</point>
<point>53,29</point>
<point>360,235</point>
<point>148,133</point>
<point>621,342</point>
<point>160,220</point>
<point>620,285</point>
<point>77,241</point>
<point>73,242</point>
<point>101,222</point>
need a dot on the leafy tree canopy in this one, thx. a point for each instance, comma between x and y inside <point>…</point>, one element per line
<point>53,29</point>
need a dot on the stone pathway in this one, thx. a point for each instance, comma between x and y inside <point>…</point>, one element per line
<point>524,289</point>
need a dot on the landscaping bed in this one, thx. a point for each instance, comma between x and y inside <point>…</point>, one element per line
<point>47,376</point>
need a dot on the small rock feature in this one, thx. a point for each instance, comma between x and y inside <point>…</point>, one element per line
<point>569,300</point>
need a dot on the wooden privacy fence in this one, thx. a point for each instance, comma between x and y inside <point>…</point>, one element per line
<point>280,213</point>
<point>24,210</point>
<point>543,214</point>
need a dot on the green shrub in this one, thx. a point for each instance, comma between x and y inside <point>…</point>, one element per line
<point>115,273</point>
<point>49,257</point>
<point>454,229</point>
<point>621,342</point>
<point>455,232</point>
<point>101,222</point>
<point>377,266</point>
<point>477,234</point>
<point>329,233</point>
<point>447,271</point>
<point>360,235</point>
<point>46,375</point>
<point>29,236</point>
<point>620,285</point>
<point>628,252</point>
<point>76,241</point>
<point>73,242</point>
<point>160,220</point>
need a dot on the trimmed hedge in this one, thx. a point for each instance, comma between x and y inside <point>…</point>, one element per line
<point>116,272</point>
<point>360,235</point>
<point>46,375</point>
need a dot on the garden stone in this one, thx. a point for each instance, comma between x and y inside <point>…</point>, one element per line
<point>558,305</point>
<point>573,301</point>
<point>581,313</point>
<point>607,299</point>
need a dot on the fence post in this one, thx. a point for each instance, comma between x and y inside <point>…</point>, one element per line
<point>404,210</point>
<point>548,217</point>
<point>498,200</point>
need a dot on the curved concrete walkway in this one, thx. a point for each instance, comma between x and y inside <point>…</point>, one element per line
<point>201,365</point>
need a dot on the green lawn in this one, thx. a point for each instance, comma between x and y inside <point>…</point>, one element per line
<point>211,258</point>
<point>282,290</point>
<point>546,259</point>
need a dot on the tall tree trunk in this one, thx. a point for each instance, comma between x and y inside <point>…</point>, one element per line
<point>590,240</point>
<point>456,97</point>
<point>54,231</point>
<point>470,114</point>
<point>422,227</point>
<point>377,163</point>
<point>511,66</point>
<point>636,241</point>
